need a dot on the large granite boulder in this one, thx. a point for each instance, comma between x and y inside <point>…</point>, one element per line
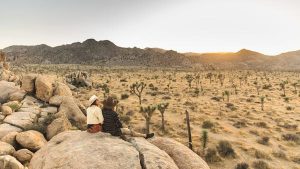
<point>57,126</point>
<point>23,120</point>
<point>7,128</point>
<point>183,156</point>
<point>62,90</point>
<point>151,156</point>
<point>9,162</point>
<point>31,139</point>
<point>28,82</point>
<point>6,149</point>
<point>81,150</point>
<point>23,155</point>
<point>6,89</point>
<point>10,138</point>
<point>44,88</point>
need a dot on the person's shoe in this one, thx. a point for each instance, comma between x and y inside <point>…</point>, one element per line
<point>150,135</point>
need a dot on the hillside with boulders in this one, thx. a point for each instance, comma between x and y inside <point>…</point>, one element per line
<point>42,126</point>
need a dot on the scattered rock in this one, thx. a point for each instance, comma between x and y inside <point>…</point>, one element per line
<point>17,96</point>
<point>7,128</point>
<point>151,156</point>
<point>9,162</point>
<point>32,140</point>
<point>98,150</point>
<point>50,110</point>
<point>6,149</point>
<point>44,88</point>
<point>183,156</point>
<point>24,120</point>
<point>23,155</point>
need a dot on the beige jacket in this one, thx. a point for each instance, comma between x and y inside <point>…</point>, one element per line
<point>94,115</point>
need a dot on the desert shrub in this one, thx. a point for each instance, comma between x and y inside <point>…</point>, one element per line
<point>261,124</point>
<point>123,80</point>
<point>279,154</point>
<point>14,107</point>
<point>296,159</point>
<point>225,149</point>
<point>260,165</point>
<point>211,156</point>
<point>242,166</point>
<point>240,124</point>
<point>124,96</point>
<point>207,124</point>
<point>264,140</point>
<point>289,108</point>
<point>231,106</point>
<point>261,155</point>
<point>216,99</point>
<point>291,137</point>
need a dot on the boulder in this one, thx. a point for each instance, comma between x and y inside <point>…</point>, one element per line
<point>31,139</point>
<point>44,88</point>
<point>151,156</point>
<point>69,108</point>
<point>9,162</point>
<point>23,155</point>
<point>62,90</point>
<point>7,128</point>
<point>81,150</point>
<point>7,88</point>
<point>17,96</point>
<point>182,156</point>
<point>49,110</point>
<point>30,101</point>
<point>24,120</point>
<point>57,126</point>
<point>28,82</point>
<point>6,110</point>
<point>10,138</point>
<point>6,149</point>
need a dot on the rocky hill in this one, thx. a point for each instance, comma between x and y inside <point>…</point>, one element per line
<point>107,53</point>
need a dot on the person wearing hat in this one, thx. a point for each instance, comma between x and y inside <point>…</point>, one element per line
<point>94,115</point>
<point>112,123</point>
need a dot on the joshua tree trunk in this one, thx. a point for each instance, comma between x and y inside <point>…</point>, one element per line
<point>189,129</point>
<point>140,100</point>
<point>163,122</point>
<point>147,125</point>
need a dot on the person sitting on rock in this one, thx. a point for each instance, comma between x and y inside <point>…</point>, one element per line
<point>112,122</point>
<point>94,115</point>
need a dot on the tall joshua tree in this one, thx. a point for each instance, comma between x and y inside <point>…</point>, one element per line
<point>209,76</point>
<point>282,86</point>
<point>295,87</point>
<point>137,89</point>
<point>162,108</point>
<point>221,78</point>
<point>262,101</point>
<point>147,113</point>
<point>204,139</point>
<point>227,94</point>
<point>189,79</point>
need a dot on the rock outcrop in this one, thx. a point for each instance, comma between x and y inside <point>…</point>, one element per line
<point>183,156</point>
<point>10,162</point>
<point>44,88</point>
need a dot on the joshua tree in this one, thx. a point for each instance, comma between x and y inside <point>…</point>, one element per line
<point>162,108</point>
<point>295,87</point>
<point>235,88</point>
<point>204,140</point>
<point>282,87</point>
<point>240,78</point>
<point>262,101</point>
<point>105,90</point>
<point>189,79</point>
<point>257,87</point>
<point>197,91</point>
<point>169,83</point>
<point>147,113</point>
<point>197,77</point>
<point>137,89</point>
<point>221,78</point>
<point>226,92</point>
<point>209,76</point>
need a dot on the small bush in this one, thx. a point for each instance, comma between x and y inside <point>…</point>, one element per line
<point>261,124</point>
<point>242,166</point>
<point>225,149</point>
<point>124,96</point>
<point>261,155</point>
<point>207,124</point>
<point>260,165</point>
<point>291,137</point>
<point>264,140</point>
<point>211,156</point>
<point>279,154</point>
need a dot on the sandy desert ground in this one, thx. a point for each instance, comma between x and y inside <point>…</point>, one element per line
<point>230,113</point>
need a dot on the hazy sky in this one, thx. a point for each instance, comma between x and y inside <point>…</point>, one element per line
<point>267,26</point>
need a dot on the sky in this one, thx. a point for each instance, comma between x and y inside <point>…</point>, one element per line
<point>267,26</point>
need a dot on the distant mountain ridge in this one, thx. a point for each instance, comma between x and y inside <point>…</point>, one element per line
<point>107,53</point>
